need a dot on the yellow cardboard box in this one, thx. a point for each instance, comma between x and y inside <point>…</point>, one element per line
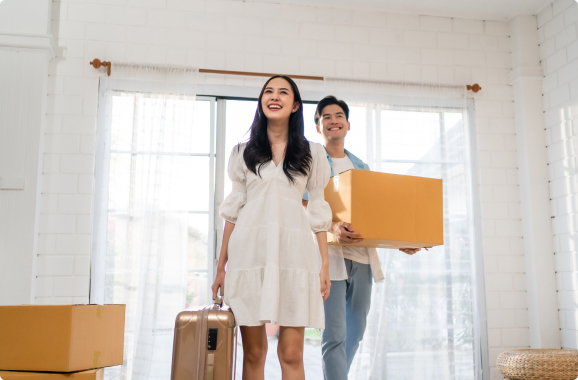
<point>61,338</point>
<point>389,210</point>
<point>93,374</point>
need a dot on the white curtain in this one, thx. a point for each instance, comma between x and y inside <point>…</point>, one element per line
<point>423,318</point>
<point>144,216</point>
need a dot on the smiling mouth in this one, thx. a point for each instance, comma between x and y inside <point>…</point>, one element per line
<point>334,129</point>
<point>274,107</point>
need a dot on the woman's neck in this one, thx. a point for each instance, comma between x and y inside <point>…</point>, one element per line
<point>278,132</point>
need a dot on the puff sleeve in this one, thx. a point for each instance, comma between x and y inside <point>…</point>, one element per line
<point>318,210</point>
<point>234,202</point>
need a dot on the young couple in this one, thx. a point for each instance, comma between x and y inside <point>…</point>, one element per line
<point>271,259</point>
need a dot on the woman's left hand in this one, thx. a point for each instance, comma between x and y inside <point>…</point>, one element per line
<point>325,283</point>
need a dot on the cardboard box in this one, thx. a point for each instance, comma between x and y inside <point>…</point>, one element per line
<point>65,338</point>
<point>93,374</point>
<point>389,210</point>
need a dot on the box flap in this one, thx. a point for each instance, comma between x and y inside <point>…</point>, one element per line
<point>430,212</point>
<point>338,193</point>
<point>93,374</point>
<point>389,210</point>
<point>35,337</point>
<point>97,336</point>
<point>397,211</point>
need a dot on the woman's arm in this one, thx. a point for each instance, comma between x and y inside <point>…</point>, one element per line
<point>223,258</point>
<point>324,272</point>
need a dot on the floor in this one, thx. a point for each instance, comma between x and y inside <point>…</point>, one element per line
<point>311,361</point>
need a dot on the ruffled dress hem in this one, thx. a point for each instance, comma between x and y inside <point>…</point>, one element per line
<point>285,297</point>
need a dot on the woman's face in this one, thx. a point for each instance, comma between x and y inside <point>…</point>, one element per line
<point>278,100</point>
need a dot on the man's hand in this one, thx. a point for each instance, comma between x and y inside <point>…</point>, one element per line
<point>344,233</point>
<point>410,251</point>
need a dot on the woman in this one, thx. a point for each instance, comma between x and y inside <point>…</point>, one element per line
<point>272,266</point>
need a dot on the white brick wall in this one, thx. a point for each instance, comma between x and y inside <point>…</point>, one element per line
<point>558,25</point>
<point>301,40</point>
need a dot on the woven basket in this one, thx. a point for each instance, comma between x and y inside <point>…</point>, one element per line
<point>543,364</point>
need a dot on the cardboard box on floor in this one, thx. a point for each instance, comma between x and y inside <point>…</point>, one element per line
<point>61,338</point>
<point>389,210</point>
<point>93,374</point>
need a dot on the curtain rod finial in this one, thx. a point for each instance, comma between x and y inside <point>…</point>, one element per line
<point>475,87</point>
<point>97,63</point>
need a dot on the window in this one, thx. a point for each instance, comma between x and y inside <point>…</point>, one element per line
<point>135,162</point>
<point>161,175</point>
<point>425,312</point>
<point>153,229</point>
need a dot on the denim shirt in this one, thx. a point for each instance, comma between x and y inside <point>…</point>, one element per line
<point>338,271</point>
<point>357,164</point>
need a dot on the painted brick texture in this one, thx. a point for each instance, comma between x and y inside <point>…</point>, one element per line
<point>293,39</point>
<point>558,25</point>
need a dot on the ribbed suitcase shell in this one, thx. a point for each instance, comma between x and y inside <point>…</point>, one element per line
<point>185,364</point>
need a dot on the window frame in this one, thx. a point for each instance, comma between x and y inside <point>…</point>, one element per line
<point>220,94</point>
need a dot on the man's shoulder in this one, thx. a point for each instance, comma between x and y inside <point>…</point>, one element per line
<point>357,162</point>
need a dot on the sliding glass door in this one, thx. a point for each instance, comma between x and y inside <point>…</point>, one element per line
<point>161,177</point>
<point>423,319</point>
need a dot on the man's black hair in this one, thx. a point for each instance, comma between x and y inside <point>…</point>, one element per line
<point>327,101</point>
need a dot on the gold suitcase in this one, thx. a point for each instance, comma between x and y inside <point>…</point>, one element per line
<point>204,344</point>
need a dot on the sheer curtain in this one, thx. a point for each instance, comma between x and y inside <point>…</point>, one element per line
<point>423,318</point>
<point>143,238</point>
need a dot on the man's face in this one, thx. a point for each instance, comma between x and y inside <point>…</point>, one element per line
<point>332,123</point>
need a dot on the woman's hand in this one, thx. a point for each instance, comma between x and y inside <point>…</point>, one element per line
<point>410,251</point>
<point>325,282</point>
<point>324,272</point>
<point>219,283</point>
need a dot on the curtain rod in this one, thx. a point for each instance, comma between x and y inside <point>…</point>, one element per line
<point>254,74</point>
<point>97,63</point>
<point>475,87</point>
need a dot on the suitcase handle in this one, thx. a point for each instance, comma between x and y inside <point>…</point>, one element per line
<point>218,302</point>
<point>210,367</point>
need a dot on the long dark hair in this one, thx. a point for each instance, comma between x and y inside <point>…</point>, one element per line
<point>258,151</point>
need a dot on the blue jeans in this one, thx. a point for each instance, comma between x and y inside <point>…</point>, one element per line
<point>346,312</point>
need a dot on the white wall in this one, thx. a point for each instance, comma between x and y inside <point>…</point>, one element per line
<point>25,17</point>
<point>558,33</point>
<point>22,106</point>
<point>25,50</point>
<point>248,36</point>
<point>526,79</point>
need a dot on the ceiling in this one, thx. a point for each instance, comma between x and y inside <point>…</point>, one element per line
<point>470,9</point>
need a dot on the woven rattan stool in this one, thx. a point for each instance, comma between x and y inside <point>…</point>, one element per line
<point>543,364</point>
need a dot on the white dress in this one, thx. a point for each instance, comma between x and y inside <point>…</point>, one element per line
<point>273,270</point>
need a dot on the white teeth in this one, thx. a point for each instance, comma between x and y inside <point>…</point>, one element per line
<point>274,107</point>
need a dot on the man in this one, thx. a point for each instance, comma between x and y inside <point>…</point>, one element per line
<point>350,268</point>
